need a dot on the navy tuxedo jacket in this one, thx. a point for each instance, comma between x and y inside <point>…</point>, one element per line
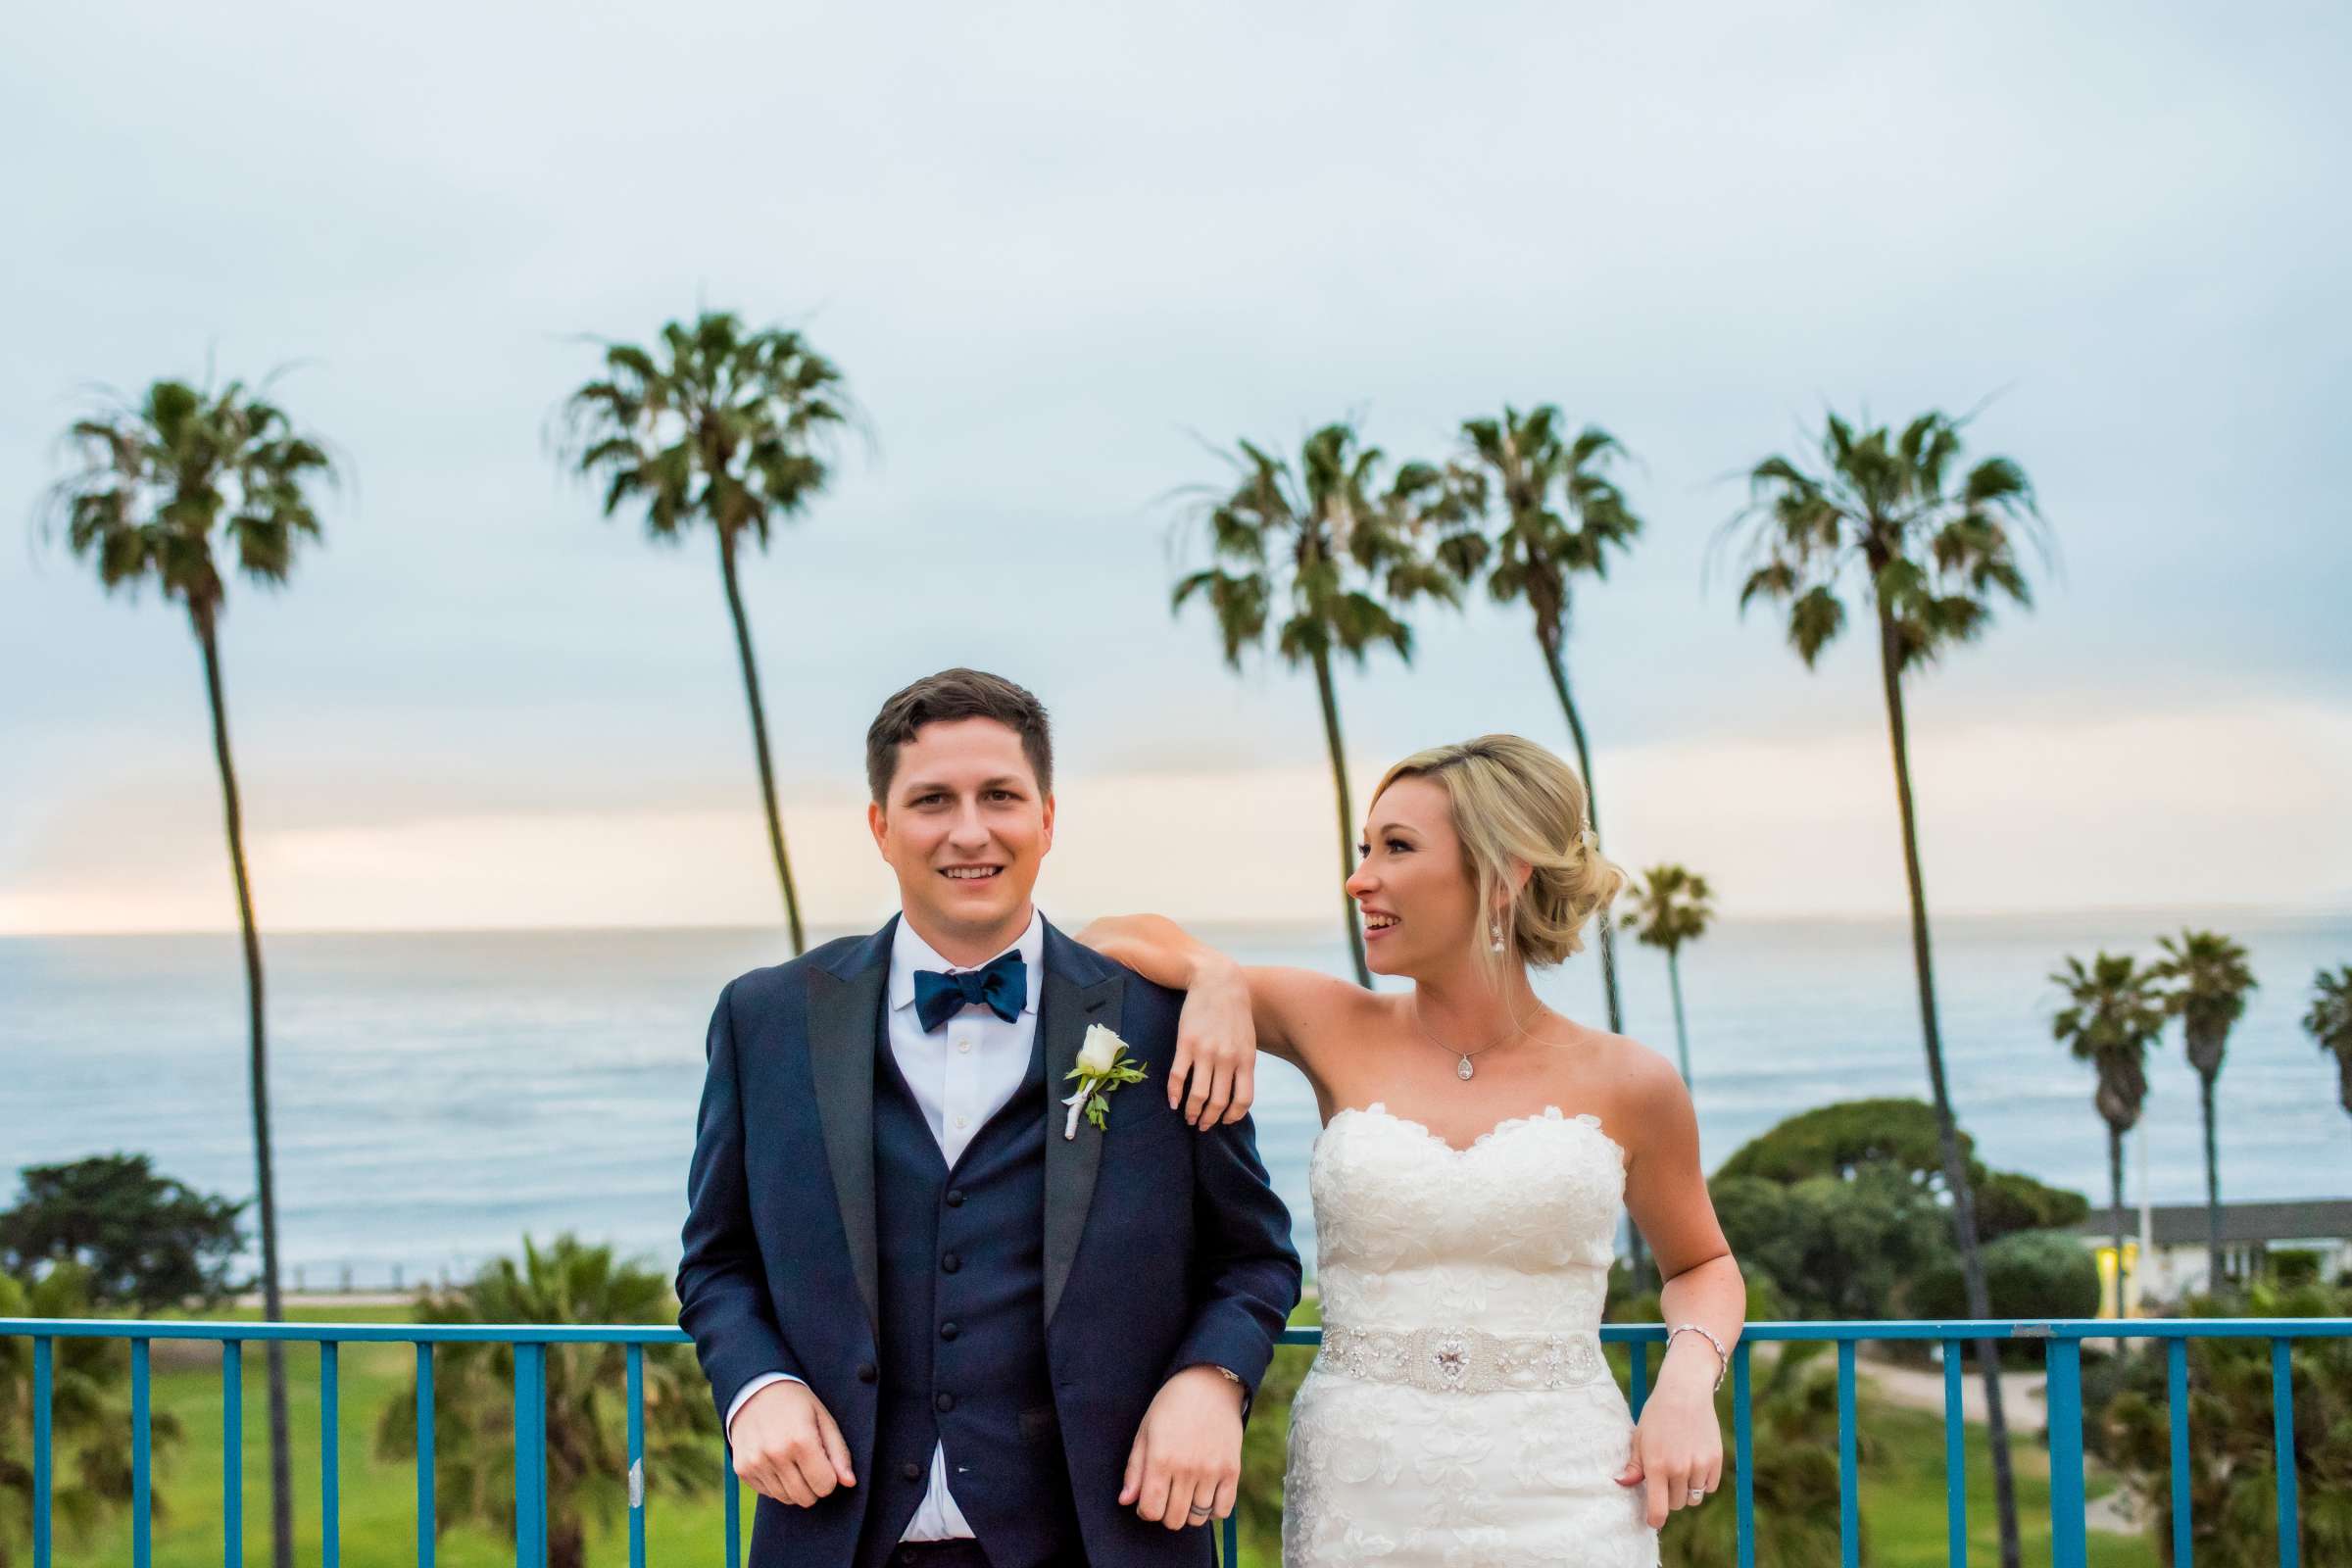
<point>1163,1246</point>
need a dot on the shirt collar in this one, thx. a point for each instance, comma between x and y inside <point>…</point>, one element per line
<point>908,952</point>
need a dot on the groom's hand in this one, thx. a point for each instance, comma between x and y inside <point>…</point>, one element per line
<point>787,1447</point>
<point>1187,1460</point>
<point>1214,1075</point>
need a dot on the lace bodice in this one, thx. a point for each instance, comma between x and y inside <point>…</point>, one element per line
<point>1461,1414</point>
<point>1512,1234</point>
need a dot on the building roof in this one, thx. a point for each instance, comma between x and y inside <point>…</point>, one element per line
<point>2308,1219</point>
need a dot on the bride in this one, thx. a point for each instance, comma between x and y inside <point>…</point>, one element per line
<point>1475,1151</point>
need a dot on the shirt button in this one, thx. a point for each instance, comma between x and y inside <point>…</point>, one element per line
<point>963,1121</point>
<point>963,1045</point>
<point>943,1403</point>
<point>950,1263</point>
<point>912,1472</point>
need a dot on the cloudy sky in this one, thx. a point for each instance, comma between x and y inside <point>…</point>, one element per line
<point>1062,250</point>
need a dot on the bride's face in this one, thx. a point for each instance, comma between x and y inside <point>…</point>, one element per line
<point>1418,905</point>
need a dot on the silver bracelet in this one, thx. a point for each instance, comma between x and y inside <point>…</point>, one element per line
<point>1723,1358</point>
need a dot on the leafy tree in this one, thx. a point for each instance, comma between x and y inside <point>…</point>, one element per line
<point>1336,551</point>
<point>1931,552</point>
<point>2234,1457</point>
<point>2208,979</point>
<point>1845,1136</point>
<point>2113,1014</point>
<point>89,1411</point>
<point>2010,1203</point>
<point>1562,516</point>
<point>2329,1022</point>
<point>1833,1248</point>
<point>148,1242</point>
<point>723,426</point>
<point>587,1389</point>
<point>159,479</point>
<point>1673,904</point>
<point>2031,1274</point>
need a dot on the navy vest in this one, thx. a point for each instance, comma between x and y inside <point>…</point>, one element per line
<point>961,1258</point>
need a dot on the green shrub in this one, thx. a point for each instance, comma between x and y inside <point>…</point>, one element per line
<point>2029,1274</point>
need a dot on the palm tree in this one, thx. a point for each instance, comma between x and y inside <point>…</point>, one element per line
<point>158,479</point>
<point>2330,1021</point>
<point>1672,907</point>
<point>1561,513</point>
<point>2115,1012</point>
<point>2209,979</point>
<point>587,1468</point>
<point>1931,562</point>
<point>725,426</point>
<point>89,1410</point>
<point>1336,555</point>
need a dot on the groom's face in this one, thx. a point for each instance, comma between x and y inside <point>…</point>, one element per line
<point>964,827</point>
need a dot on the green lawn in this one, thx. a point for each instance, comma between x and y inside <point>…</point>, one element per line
<point>1902,1480</point>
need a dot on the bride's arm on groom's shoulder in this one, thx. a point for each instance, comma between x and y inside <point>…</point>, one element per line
<point>1678,1449</point>
<point>1231,1012</point>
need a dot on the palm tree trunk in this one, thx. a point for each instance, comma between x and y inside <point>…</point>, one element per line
<point>2213,1189</point>
<point>1339,779</point>
<point>281,1480</point>
<point>1682,1035</point>
<point>768,772</point>
<point>1636,1260</point>
<point>1553,664</point>
<point>1947,1127</point>
<point>2115,1187</point>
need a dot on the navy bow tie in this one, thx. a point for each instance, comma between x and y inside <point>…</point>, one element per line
<point>1001,988</point>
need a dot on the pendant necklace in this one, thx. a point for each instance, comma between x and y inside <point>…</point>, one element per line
<point>1461,1065</point>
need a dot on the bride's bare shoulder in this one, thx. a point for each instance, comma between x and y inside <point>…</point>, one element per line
<point>1631,1083</point>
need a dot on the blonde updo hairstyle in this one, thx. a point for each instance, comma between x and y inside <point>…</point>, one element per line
<point>1515,804</point>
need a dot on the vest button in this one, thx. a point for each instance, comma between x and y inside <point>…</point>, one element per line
<point>867,1372</point>
<point>954,1198</point>
<point>912,1471</point>
<point>943,1403</point>
<point>948,1331</point>
<point>950,1263</point>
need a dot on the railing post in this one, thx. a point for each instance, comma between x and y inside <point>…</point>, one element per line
<point>427,1511</point>
<point>2283,1425</point>
<point>2176,1389</point>
<point>44,1376</point>
<point>2069,1547</point>
<point>330,1418</point>
<point>1850,1500</point>
<point>734,1491</point>
<point>530,1456</point>
<point>1744,1456</point>
<point>142,1513</point>
<point>1639,1367</point>
<point>232,1450</point>
<point>1955,1456</point>
<point>636,1456</point>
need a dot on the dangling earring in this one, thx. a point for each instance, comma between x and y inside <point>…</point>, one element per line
<point>1495,935</point>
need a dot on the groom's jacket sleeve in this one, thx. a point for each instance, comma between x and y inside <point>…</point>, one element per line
<point>1246,1273</point>
<point>722,1285</point>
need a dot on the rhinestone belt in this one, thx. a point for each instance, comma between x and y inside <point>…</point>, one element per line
<point>1447,1361</point>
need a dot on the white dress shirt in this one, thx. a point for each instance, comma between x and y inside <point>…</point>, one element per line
<point>960,1076</point>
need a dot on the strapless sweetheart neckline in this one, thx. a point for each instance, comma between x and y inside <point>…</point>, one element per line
<point>1379,1111</point>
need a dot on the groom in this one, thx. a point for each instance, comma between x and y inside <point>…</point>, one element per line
<point>940,1332</point>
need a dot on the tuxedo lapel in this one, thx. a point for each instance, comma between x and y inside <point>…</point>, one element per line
<point>845,1019</point>
<point>1079,990</point>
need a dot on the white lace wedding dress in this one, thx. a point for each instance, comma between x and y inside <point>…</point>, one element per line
<point>1459,1412</point>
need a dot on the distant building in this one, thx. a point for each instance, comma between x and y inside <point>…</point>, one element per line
<point>2250,1234</point>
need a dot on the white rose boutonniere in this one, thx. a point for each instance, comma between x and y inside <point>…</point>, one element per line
<point>1103,1067</point>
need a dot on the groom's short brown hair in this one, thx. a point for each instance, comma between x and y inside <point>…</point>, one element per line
<point>954,694</point>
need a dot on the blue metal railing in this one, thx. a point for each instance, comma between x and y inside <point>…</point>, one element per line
<point>2063,1340</point>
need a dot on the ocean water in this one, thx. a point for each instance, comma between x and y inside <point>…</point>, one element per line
<point>435,1097</point>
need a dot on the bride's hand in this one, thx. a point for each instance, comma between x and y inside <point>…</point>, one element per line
<point>1214,1075</point>
<point>1678,1450</point>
